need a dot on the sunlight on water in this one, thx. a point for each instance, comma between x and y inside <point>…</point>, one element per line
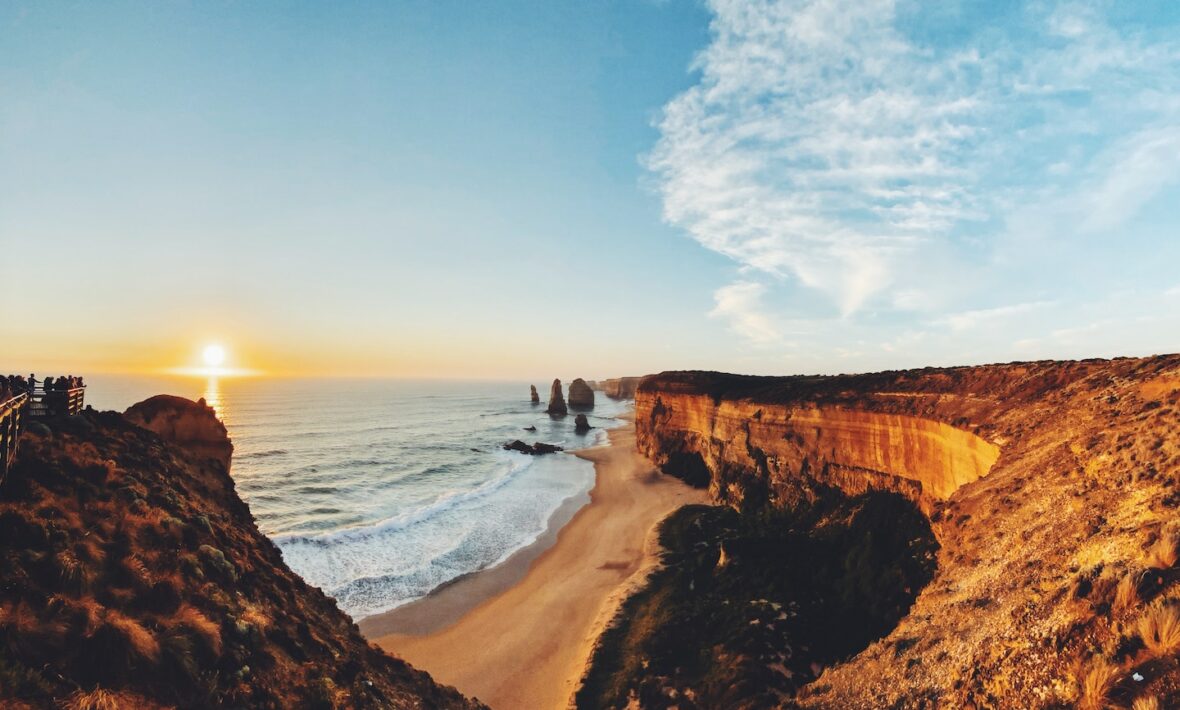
<point>378,491</point>
<point>212,397</point>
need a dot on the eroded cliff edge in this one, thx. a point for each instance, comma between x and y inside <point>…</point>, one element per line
<point>1047,484</point>
<point>134,576</point>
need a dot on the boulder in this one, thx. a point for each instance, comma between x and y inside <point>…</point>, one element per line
<point>530,428</point>
<point>533,396</point>
<point>581,425</point>
<point>581,396</point>
<point>557,406</point>
<point>536,449</point>
<point>191,425</point>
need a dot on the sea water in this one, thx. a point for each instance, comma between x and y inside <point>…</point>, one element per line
<point>378,491</point>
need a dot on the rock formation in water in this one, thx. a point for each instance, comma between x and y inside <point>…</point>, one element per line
<point>581,396</point>
<point>1052,489</point>
<point>533,396</point>
<point>191,425</point>
<point>556,406</point>
<point>581,424</point>
<point>619,387</point>
<point>537,449</point>
<point>135,577</point>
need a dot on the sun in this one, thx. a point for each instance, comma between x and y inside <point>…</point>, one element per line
<point>214,355</point>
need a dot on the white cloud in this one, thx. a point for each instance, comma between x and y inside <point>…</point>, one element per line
<point>740,304</point>
<point>970,320</point>
<point>824,145</point>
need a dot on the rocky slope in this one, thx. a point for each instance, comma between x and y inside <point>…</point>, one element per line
<point>1052,489</point>
<point>134,576</point>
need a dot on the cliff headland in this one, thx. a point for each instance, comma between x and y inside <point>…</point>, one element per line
<point>135,577</point>
<point>1050,490</point>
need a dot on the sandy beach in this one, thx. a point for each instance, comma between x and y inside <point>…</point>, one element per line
<point>519,635</point>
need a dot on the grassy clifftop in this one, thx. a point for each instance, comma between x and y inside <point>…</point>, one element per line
<point>134,576</point>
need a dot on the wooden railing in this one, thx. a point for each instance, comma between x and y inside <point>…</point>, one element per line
<point>11,424</point>
<point>52,403</point>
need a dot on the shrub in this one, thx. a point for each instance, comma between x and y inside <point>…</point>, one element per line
<point>1126,593</point>
<point>97,699</point>
<point>215,560</point>
<point>1159,628</point>
<point>207,631</point>
<point>1098,678</point>
<point>1163,553</point>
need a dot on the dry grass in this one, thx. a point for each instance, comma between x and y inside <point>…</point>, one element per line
<point>206,630</point>
<point>140,642</point>
<point>97,699</point>
<point>1163,554</point>
<point>1126,593</point>
<point>1146,703</point>
<point>1159,627</point>
<point>1096,681</point>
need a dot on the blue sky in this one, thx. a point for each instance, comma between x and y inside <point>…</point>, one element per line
<point>519,189</point>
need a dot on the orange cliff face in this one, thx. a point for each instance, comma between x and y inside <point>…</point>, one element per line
<point>924,459</point>
<point>1047,484</point>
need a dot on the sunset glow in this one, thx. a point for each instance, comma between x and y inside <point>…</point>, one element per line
<point>214,356</point>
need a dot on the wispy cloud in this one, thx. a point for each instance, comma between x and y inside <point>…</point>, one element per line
<point>968,320</point>
<point>825,144</point>
<point>740,305</point>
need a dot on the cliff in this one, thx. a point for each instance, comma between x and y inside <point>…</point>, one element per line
<point>1049,487</point>
<point>619,387</point>
<point>191,425</point>
<point>134,576</point>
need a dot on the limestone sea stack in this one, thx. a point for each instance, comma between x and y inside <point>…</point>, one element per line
<point>581,425</point>
<point>556,406</point>
<point>188,424</point>
<point>533,396</point>
<point>581,396</point>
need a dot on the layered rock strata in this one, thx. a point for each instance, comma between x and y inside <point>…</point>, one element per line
<point>1046,483</point>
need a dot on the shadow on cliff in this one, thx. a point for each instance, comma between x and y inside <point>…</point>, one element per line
<point>751,606</point>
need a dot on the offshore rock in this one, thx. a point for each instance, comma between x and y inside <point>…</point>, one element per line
<point>533,396</point>
<point>188,424</point>
<point>581,424</point>
<point>537,449</point>
<point>556,406</point>
<point>581,396</point>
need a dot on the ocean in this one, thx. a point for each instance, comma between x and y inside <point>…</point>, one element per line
<point>378,491</point>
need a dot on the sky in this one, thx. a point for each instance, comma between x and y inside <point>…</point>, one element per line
<point>539,189</point>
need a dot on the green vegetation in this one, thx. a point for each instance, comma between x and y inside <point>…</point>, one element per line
<point>750,606</point>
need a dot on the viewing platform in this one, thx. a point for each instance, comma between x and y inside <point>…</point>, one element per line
<point>36,403</point>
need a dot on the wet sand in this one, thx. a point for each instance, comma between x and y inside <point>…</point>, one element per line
<point>519,635</point>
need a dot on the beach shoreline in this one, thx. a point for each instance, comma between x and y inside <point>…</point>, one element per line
<point>519,635</point>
